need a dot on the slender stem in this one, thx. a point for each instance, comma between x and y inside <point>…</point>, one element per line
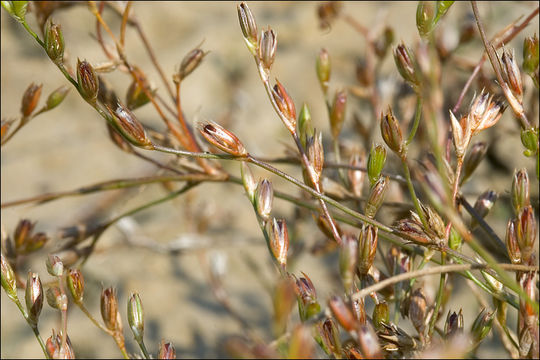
<point>494,61</point>
<point>140,342</point>
<point>438,299</point>
<point>491,233</point>
<point>516,30</point>
<point>92,319</point>
<point>152,55</point>
<point>170,196</point>
<point>416,122</point>
<point>112,185</point>
<point>35,329</point>
<point>434,270</point>
<point>411,190</point>
<point>125,16</point>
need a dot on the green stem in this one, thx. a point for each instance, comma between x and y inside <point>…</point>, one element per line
<point>94,321</point>
<point>410,186</point>
<point>417,117</point>
<point>438,299</point>
<point>33,327</point>
<point>133,211</point>
<point>143,348</point>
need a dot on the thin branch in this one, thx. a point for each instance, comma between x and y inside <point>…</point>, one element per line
<point>431,271</point>
<point>515,31</point>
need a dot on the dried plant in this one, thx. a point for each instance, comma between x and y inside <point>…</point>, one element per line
<point>382,203</point>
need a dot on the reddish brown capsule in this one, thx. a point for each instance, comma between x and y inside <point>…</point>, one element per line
<point>337,112</point>
<point>405,64</point>
<point>285,105</point>
<point>166,350</point>
<point>367,248</point>
<point>190,62</point>
<point>221,138</point>
<point>391,132</point>
<point>87,80</point>
<point>342,313</point>
<point>131,129</point>
<point>267,48</point>
<point>512,245</point>
<point>109,309</point>
<point>308,305</point>
<point>34,297</point>
<point>30,99</point>
<point>279,241</point>
<point>54,347</point>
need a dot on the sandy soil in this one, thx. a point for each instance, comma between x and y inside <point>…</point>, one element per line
<point>69,147</point>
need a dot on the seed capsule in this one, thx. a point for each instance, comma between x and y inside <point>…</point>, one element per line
<point>166,351</point>
<point>30,99</point>
<point>109,309</point>
<point>87,80</point>
<point>267,48</point>
<point>347,260</point>
<point>264,197</point>
<point>520,190</point>
<point>391,132</point>
<point>75,282</point>
<point>323,68</point>
<point>130,128</point>
<point>54,42</point>
<point>136,316</point>
<point>342,313</point>
<point>337,112</point>
<point>221,138</point>
<point>248,26</point>
<point>405,64</point>
<point>367,248</point>
<point>9,281</point>
<point>308,306</point>
<point>279,241</point>
<point>285,105</point>
<point>376,161</point>
<point>34,297</point>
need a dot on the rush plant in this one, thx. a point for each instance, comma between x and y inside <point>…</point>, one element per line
<point>388,194</point>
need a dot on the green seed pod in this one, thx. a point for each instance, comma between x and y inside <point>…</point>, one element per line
<point>381,313</point>
<point>323,68</point>
<point>9,281</point>
<point>481,326</point>
<point>530,54</point>
<point>75,283</point>
<point>305,127</point>
<point>520,190</point>
<point>248,26</point>
<point>425,14</point>
<point>529,139</point>
<point>136,316</point>
<point>54,42</point>
<point>57,96</point>
<point>376,161</point>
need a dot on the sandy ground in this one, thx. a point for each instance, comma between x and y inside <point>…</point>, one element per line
<point>69,147</point>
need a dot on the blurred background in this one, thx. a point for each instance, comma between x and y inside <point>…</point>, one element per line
<point>69,147</point>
